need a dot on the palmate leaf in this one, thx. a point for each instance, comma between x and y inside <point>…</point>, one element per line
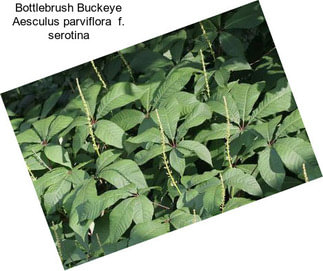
<point>50,103</point>
<point>120,94</point>
<point>271,168</point>
<point>28,136</point>
<point>42,126</point>
<point>144,156</point>
<point>106,158</point>
<point>267,129</point>
<point>217,131</point>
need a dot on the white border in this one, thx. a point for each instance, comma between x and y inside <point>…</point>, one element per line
<point>280,232</point>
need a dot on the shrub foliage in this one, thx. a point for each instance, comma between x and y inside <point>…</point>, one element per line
<point>161,135</point>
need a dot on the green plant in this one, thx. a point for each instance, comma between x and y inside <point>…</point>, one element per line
<point>194,123</point>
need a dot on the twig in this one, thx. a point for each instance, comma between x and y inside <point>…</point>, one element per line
<point>160,205</point>
<point>33,178</point>
<point>255,62</point>
<point>89,118</point>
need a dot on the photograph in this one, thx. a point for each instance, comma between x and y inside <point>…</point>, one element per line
<point>161,135</point>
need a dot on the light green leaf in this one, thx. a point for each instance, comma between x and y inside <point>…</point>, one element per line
<point>294,152</point>
<point>58,154</point>
<point>291,123</point>
<point>271,168</point>
<point>175,81</point>
<point>212,199</point>
<point>122,173</point>
<point>143,209</point>
<point>181,218</point>
<point>50,103</point>
<point>106,158</point>
<point>238,179</point>
<point>28,136</point>
<point>145,231</point>
<point>120,94</point>
<point>144,156</point>
<point>267,129</point>
<point>275,101</point>
<point>120,220</point>
<point>149,135</point>
<point>42,126</point>
<point>245,96</point>
<point>222,77</point>
<point>177,161</point>
<point>128,118</point>
<point>199,149</point>
<point>235,203</point>
<point>218,131</point>
<point>200,113</point>
<point>60,123</point>
<point>110,133</point>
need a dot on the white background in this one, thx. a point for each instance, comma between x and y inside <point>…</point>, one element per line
<point>280,232</point>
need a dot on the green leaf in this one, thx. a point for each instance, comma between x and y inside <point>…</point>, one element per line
<point>120,94</point>
<point>60,123</point>
<point>58,154</point>
<point>291,123</point>
<point>106,158</point>
<point>267,129</point>
<point>222,77</point>
<point>245,17</point>
<point>180,218</point>
<point>218,131</point>
<point>122,173</point>
<point>238,179</point>
<point>245,96</point>
<point>144,156</point>
<point>143,209</point>
<point>177,161</point>
<point>231,44</point>
<point>147,61</point>
<point>110,133</point>
<point>128,118</point>
<point>28,136</point>
<point>294,152</point>
<point>149,135</point>
<point>50,103</point>
<point>200,113</point>
<point>90,91</point>
<point>236,64</point>
<point>42,126</point>
<point>271,168</point>
<point>275,101</point>
<point>212,199</point>
<point>120,220</point>
<point>148,230</point>
<point>199,149</point>
<point>175,81</point>
<point>235,203</point>
<point>169,116</point>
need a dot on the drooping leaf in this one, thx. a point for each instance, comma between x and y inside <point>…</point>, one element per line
<point>58,154</point>
<point>199,149</point>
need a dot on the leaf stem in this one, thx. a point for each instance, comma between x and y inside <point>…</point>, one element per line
<point>207,86</point>
<point>125,62</point>
<point>98,74</point>
<point>33,178</point>
<point>208,41</point>
<point>89,117</point>
<point>41,160</point>
<point>166,163</point>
